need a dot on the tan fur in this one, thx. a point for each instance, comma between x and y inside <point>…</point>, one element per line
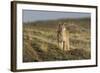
<point>63,37</point>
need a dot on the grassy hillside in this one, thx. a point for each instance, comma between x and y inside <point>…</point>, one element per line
<point>43,46</point>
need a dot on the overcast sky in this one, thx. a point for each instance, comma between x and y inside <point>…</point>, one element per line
<point>33,15</point>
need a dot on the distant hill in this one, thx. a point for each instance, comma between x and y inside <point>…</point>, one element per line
<point>82,24</point>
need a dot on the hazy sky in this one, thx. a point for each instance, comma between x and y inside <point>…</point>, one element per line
<point>33,15</point>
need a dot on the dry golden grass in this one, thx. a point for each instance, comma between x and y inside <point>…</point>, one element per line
<point>43,46</point>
